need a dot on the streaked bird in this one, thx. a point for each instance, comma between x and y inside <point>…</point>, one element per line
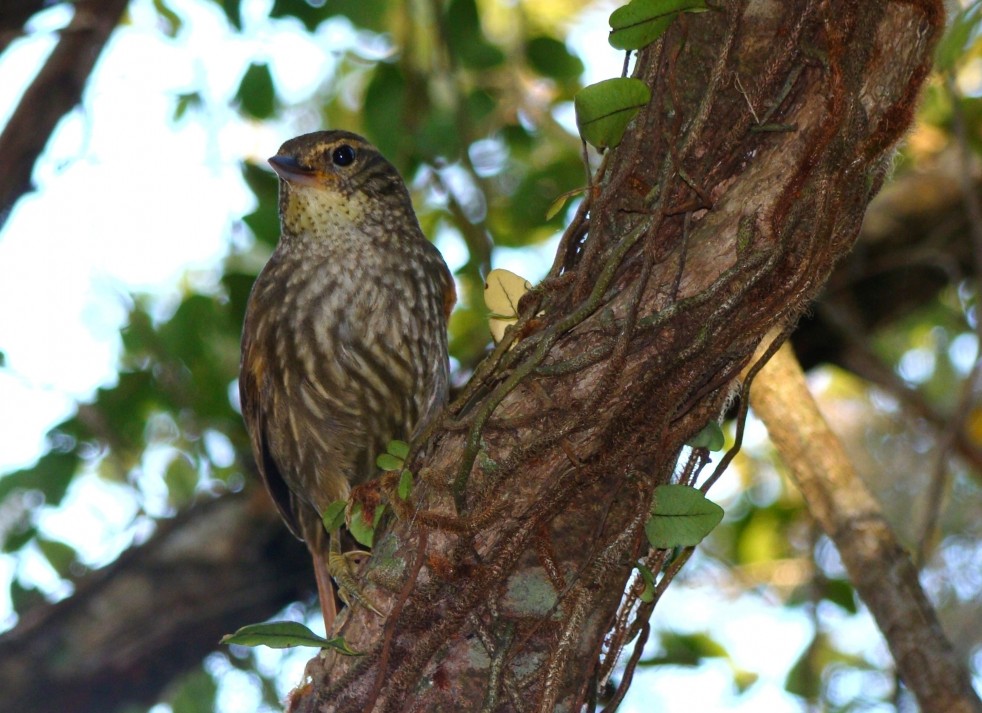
<point>344,346</point>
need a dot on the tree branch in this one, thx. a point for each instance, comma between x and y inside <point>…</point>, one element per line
<point>53,93</point>
<point>131,628</point>
<point>848,513</point>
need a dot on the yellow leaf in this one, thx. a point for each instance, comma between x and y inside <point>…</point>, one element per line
<point>557,205</point>
<point>502,291</point>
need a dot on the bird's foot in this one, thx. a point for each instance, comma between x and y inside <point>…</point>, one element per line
<point>342,567</point>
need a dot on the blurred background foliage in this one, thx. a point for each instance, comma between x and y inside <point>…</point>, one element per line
<point>471,100</point>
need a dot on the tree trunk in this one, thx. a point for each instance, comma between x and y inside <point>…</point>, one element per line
<point>896,247</point>
<point>717,218</point>
<point>130,629</point>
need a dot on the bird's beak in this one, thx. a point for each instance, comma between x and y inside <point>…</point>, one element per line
<point>290,170</point>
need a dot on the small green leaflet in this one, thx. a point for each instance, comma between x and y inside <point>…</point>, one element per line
<point>710,437</point>
<point>557,205</point>
<point>680,517</point>
<point>388,462</point>
<point>648,593</point>
<point>394,457</point>
<point>360,528</point>
<point>257,93</point>
<point>641,22</point>
<point>604,109</point>
<point>284,635</point>
<point>333,516</point>
<point>400,449</point>
<point>405,485</point>
<point>961,30</point>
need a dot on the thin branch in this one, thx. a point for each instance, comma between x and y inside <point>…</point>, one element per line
<point>847,512</point>
<point>53,93</point>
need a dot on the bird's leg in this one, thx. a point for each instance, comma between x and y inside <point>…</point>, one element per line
<point>341,566</point>
<point>325,587</point>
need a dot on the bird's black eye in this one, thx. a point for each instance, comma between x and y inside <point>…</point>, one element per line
<point>343,155</point>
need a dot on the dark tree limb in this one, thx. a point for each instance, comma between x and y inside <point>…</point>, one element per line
<point>131,628</point>
<point>13,18</point>
<point>53,93</point>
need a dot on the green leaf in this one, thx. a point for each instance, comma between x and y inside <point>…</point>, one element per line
<point>181,478</point>
<point>641,22</point>
<point>195,693</point>
<point>256,94</point>
<point>465,37</point>
<point>952,46</point>
<point>372,15</point>
<point>680,649</point>
<point>361,528</point>
<point>333,517</point>
<point>648,593</point>
<point>51,475</point>
<point>389,462</point>
<point>808,676</point>
<point>480,104</point>
<point>710,437</point>
<point>304,11</point>
<point>405,485</point>
<point>837,591</point>
<point>232,11</point>
<point>438,135</point>
<point>550,58</point>
<point>59,555</point>
<point>237,287</point>
<point>388,96</point>
<point>680,517</point>
<point>399,449</point>
<point>841,592</point>
<point>604,109</point>
<point>24,598</point>
<point>264,221</point>
<point>16,539</point>
<point>284,635</point>
<point>124,408</point>
<point>185,102</point>
<point>539,188</point>
<point>557,205</point>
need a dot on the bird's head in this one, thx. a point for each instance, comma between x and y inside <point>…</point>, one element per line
<point>336,179</point>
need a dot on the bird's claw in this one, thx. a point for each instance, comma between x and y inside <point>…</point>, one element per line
<point>342,569</point>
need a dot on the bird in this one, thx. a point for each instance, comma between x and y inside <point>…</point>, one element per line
<point>344,341</point>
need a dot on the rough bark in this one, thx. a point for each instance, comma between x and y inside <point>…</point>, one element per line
<point>901,243</point>
<point>878,566</point>
<point>274,555</point>
<point>131,628</point>
<point>718,217</point>
<point>53,93</point>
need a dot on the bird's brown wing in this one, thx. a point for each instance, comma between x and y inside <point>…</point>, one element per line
<point>252,396</point>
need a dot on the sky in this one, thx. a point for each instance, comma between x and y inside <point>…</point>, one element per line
<point>129,201</point>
